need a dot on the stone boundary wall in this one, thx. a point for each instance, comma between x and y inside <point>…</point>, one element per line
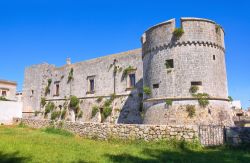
<point>119,131</point>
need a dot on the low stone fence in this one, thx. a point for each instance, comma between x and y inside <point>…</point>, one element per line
<point>120,131</point>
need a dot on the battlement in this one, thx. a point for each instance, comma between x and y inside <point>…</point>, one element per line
<point>196,30</point>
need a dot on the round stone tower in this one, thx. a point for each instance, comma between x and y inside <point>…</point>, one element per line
<point>182,68</point>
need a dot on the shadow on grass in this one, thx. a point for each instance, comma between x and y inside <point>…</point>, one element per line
<point>12,158</point>
<point>183,154</point>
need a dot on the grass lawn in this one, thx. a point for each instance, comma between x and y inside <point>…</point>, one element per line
<point>30,145</point>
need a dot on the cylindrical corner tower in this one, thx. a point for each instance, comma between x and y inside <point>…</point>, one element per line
<point>183,65</point>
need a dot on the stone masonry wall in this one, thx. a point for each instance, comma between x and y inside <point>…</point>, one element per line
<point>125,108</point>
<point>119,131</point>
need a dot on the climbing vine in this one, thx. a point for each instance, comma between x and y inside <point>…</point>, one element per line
<point>47,88</point>
<point>70,76</point>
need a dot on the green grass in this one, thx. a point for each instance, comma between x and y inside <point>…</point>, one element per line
<point>22,144</point>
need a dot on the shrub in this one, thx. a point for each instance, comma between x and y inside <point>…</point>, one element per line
<point>43,102</point>
<point>112,96</point>
<point>147,90</point>
<point>230,98</point>
<point>49,107</point>
<point>47,88</point>
<point>169,102</point>
<point>191,110</point>
<point>22,125</point>
<point>202,99</point>
<point>95,110</point>
<point>178,32</point>
<point>74,101</point>
<point>193,89</point>
<point>63,114</point>
<point>36,113</point>
<point>52,130</point>
<point>49,82</point>
<point>107,111</point>
<point>70,76</point>
<point>127,70</point>
<point>107,102</point>
<point>3,98</point>
<point>99,99</point>
<point>55,115</point>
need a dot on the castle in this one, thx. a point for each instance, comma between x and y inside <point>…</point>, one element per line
<point>177,77</point>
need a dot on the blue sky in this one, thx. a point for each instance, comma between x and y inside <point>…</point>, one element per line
<point>33,32</point>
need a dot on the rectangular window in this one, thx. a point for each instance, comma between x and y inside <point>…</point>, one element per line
<point>131,80</point>
<point>91,85</point>
<point>213,57</point>
<point>169,63</point>
<point>196,83</point>
<point>4,93</point>
<point>57,89</point>
<point>155,86</point>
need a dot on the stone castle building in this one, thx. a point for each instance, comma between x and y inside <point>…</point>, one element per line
<point>177,77</point>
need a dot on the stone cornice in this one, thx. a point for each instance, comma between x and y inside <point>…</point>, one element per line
<point>183,99</point>
<point>181,43</point>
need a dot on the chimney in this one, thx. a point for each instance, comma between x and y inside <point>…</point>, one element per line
<point>68,61</point>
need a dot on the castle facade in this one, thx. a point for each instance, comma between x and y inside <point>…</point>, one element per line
<point>177,77</point>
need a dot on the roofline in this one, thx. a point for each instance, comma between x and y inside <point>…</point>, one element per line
<point>8,82</point>
<point>120,54</point>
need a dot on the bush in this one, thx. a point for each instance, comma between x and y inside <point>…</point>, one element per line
<point>43,102</point>
<point>178,32</point>
<point>52,130</point>
<point>202,99</point>
<point>191,110</point>
<point>55,115</point>
<point>36,113</point>
<point>3,98</point>
<point>63,114</point>
<point>99,99</point>
<point>169,102</point>
<point>74,101</point>
<point>107,103</point>
<point>95,110</point>
<point>193,89</point>
<point>22,125</point>
<point>47,88</point>
<point>147,90</point>
<point>49,107</point>
<point>230,98</point>
<point>71,73</point>
<point>127,70</point>
<point>107,111</point>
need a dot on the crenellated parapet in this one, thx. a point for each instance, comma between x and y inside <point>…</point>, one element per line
<point>197,32</point>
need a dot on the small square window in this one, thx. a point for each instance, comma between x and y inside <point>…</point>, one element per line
<point>169,63</point>
<point>131,80</point>
<point>4,93</point>
<point>213,57</point>
<point>155,86</point>
<point>196,83</point>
